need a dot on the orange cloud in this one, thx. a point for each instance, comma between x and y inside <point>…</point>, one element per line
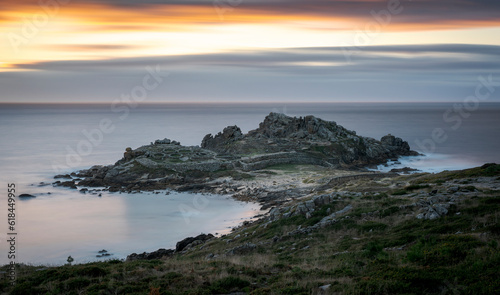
<point>133,15</point>
<point>99,29</point>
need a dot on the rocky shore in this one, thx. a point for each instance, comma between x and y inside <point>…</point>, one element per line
<point>284,160</point>
<point>332,226</point>
<point>331,234</point>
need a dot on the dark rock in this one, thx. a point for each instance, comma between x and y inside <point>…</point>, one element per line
<point>311,138</point>
<point>103,255</point>
<point>193,187</point>
<point>152,255</point>
<point>92,182</point>
<point>71,184</point>
<point>114,189</point>
<point>397,144</point>
<point>63,176</point>
<point>184,243</point>
<point>227,136</point>
<point>26,196</point>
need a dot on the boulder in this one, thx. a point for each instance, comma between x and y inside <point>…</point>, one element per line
<point>181,245</point>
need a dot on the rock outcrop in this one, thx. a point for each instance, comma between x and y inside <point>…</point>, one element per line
<point>183,245</point>
<point>150,255</point>
<point>280,139</point>
<point>227,136</point>
<point>314,139</point>
<point>192,241</point>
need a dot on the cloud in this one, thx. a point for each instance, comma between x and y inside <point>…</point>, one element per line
<point>377,73</point>
<point>85,47</point>
<point>409,57</point>
<point>413,15</point>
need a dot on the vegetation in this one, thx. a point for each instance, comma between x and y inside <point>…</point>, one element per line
<point>379,247</point>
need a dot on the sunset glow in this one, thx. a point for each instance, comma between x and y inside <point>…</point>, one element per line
<point>58,31</point>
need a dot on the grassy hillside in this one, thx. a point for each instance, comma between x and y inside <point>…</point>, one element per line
<point>378,247</point>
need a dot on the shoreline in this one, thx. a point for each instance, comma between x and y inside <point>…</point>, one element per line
<point>339,238</point>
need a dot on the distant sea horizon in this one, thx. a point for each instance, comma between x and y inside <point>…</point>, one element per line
<point>44,139</point>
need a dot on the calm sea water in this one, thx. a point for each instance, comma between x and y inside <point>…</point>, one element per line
<point>39,141</point>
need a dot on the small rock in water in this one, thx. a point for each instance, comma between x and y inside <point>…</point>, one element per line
<point>26,196</point>
<point>103,255</point>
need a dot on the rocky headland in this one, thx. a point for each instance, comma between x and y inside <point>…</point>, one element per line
<point>228,161</point>
<point>332,226</point>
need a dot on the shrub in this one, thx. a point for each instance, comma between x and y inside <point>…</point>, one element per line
<point>92,271</point>
<point>77,283</point>
<point>389,211</point>
<point>372,249</point>
<point>442,252</point>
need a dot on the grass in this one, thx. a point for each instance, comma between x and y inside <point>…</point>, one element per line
<point>380,248</point>
<point>487,170</point>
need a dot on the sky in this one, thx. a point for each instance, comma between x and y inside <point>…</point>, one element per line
<point>247,50</point>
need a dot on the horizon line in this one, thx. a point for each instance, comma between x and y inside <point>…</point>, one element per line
<point>226,102</point>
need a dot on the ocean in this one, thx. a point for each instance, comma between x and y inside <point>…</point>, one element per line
<point>39,141</point>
